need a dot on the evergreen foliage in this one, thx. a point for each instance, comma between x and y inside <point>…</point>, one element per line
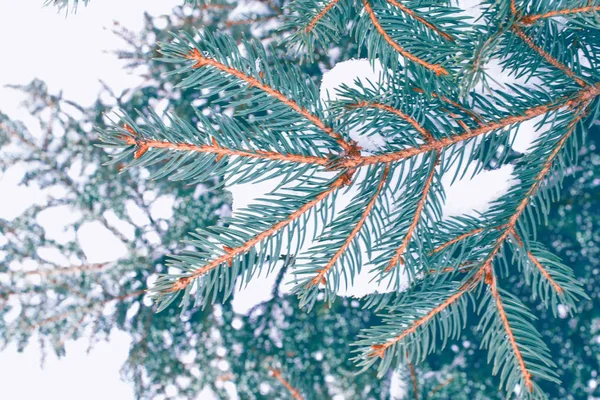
<point>50,294</point>
<point>279,122</point>
<point>439,113</point>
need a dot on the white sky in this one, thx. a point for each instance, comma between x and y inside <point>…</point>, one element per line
<point>68,54</point>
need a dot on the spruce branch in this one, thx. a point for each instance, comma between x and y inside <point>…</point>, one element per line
<point>425,323</point>
<point>552,281</point>
<point>511,225</point>
<point>557,288</point>
<point>315,20</point>
<point>394,221</point>
<point>477,118</point>
<point>424,132</point>
<point>74,269</point>
<point>397,258</point>
<point>90,306</point>
<point>530,19</point>
<point>436,68</point>
<point>250,21</point>
<point>457,239</point>
<point>203,61</point>
<point>525,373</point>
<point>422,20</point>
<point>142,145</point>
<point>168,286</point>
<point>583,96</point>
<point>320,278</point>
<point>546,56</point>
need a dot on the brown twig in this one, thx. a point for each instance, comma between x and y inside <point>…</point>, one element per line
<point>417,216</point>
<point>436,68</point>
<point>320,15</point>
<point>229,255</point>
<point>439,387</point>
<point>215,148</point>
<point>413,378</point>
<point>513,7</point>
<point>546,56</point>
<point>424,132</point>
<point>320,278</point>
<point>533,18</point>
<point>422,20</point>
<point>202,61</point>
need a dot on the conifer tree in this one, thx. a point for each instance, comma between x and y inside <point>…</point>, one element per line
<point>49,294</point>
<point>438,113</point>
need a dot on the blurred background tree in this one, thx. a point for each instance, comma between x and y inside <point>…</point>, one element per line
<point>51,293</point>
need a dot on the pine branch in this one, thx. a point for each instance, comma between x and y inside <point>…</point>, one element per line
<point>422,20</point>
<point>230,253</point>
<point>203,61</point>
<point>142,145</point>
<point>424,132</point>
<point>397,258</point>
<point>546,56</point>
<point>315,20</point>
<point>320,278</point>
<point>436,68</point>
<point>509,333</point>
<point>530,19</point>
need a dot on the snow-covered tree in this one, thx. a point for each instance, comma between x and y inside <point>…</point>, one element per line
<point>352,183</point>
